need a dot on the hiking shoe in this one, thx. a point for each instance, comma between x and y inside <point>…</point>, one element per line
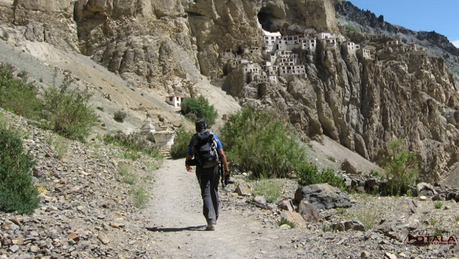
<point>210,227</point>
<point>228,180</point>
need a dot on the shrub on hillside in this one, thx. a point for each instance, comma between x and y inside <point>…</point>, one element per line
<point>194,108</point>
<point>68,111</point>
<point>16,95</point>
<point>351,28</point>
<point>17,192</point>
<point>309,174</point>
<point>262,143</point>
<point>401,169</point>
<point>119,116</point>
<point>181,142</point>
<point>133,143</point>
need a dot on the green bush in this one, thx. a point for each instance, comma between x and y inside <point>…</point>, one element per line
<point>194,108</point>
<point>329,176</point>
<point>438,204</point>
<point>309,174</point>
<point>17,192</point>
<point>16,95</point>
<point>401,169</point>
<point>181,142</point>
<point>262,143</point>
<point>68,111</point>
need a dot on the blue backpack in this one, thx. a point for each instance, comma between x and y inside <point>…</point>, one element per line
<point>205,149</point>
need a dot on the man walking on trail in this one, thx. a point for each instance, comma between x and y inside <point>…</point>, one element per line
<point>202,152</point>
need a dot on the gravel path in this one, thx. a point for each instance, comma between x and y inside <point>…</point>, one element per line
<point>175,217</point>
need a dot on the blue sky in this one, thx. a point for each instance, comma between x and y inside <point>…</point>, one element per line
<point>441,16</point>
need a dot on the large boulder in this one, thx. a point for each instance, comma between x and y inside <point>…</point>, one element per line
<point>322,196</point>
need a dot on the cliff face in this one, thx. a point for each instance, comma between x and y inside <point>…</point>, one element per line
<point>158,44</point>
<point>366,104</point>
<point>362,103</point>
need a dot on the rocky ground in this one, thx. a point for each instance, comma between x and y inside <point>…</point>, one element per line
<point>87,211</point>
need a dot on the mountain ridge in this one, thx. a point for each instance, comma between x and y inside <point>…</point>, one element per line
<point>367,22</point>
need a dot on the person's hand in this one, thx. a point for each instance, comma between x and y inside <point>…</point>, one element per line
<point>188,168</point>
<point>227,173</point>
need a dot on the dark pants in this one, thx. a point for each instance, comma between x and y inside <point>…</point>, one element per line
<point>208,181</point>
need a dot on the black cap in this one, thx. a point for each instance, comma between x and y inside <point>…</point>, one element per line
<point>200,125</point>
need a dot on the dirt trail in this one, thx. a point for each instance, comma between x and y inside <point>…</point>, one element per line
<point>176,221</point>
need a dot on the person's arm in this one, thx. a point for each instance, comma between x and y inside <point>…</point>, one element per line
<point>189,156</point>
<point>222,155</point>
<point>221,152</point>
<point>188,167</point>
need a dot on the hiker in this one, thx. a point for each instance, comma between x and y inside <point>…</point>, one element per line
<point>207,171</point>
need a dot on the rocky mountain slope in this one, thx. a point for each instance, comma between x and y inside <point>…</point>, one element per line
<point>163,48</point>
<point>367,22</point>
<point>124,87</point>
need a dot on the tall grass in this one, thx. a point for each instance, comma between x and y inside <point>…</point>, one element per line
<point>137,190</point>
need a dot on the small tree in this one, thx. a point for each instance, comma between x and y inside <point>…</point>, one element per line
<point>401,169</point>
<point>194,108</point>
<point>17,192</point>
